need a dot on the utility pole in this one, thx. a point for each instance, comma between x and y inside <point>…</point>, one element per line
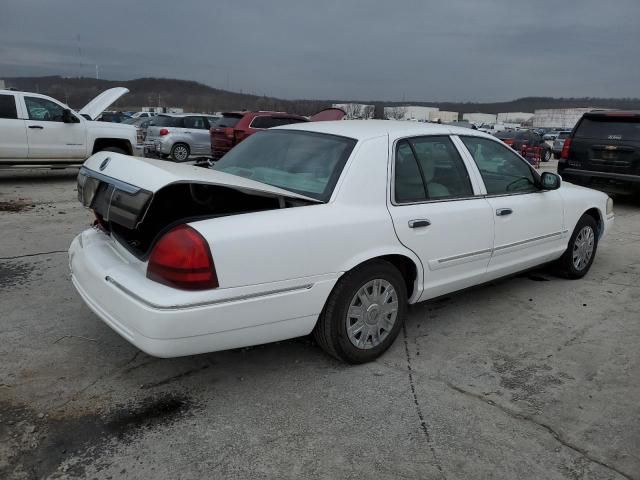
<point>97,75</point>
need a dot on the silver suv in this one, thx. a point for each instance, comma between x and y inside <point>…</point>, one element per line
<point>179,136</point>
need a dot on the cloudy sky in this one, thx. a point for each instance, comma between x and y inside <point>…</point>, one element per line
<point>459,50</point>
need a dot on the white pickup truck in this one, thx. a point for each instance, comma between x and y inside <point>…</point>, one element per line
<point>39,130</point>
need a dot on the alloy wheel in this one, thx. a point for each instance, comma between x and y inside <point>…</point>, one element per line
<point>583,248</point>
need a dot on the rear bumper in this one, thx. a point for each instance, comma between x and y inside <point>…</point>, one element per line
<point>605,179</point>
<point>166,322</point>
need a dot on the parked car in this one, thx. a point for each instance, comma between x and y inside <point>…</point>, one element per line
<point>40,130</point>
<point>178,136</point>
<point>506,136</point>
<point>603,151</point>
<point>528,138</point>
<point>316,227</point>
<point>234,127</point>
<point>558,143</point>
<point>463,124</point>
<point>143,115</point>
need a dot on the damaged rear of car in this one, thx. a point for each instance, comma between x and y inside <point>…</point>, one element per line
<point>165,243</point>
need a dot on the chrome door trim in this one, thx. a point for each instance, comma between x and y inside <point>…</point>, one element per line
<point>548,236</point>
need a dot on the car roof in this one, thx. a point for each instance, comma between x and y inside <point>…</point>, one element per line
<point>365,129</point>
<point>613,113</point>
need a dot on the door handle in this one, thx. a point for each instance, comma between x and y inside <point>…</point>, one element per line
<point>418,223</point>
<point>39,127</point>
<point>501,212</point>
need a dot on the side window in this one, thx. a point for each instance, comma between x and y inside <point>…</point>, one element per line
<point>213,121</point>
<point>503,172</point>
<point>408,185</point>
<point>8,107</point>
<point>43,109</point>
<point>445,174</point>
<point>263,122</point>
<point>194,122</point>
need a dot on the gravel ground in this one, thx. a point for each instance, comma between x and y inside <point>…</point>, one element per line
<point>532,377</point>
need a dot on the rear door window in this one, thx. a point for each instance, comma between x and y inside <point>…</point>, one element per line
<point>609,128</point>
<point>197,123</point>
<point>8,107</point>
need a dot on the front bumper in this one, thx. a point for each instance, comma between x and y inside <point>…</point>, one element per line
<point>165,322</point>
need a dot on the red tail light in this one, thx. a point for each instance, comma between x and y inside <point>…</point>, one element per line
<point>566,146</point>
<point>182,259</point>
<point>164,131</point>
<point>508,141</point>
<point>229,132</point>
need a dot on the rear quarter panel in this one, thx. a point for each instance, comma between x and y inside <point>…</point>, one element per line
<point>300,242</point>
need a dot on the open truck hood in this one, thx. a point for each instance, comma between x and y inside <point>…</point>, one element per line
<point>95,107</point>
<point>152,175</point>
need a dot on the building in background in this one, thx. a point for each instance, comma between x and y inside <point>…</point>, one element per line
<point>480,118</point>
<point>356,111</point>
<point>442,116</point>
<point>175,110</point>
<point>558,117</point>
<point>409,112</point>
<point>515,117</point>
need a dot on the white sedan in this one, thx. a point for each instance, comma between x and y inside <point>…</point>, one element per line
<point>331,227</point>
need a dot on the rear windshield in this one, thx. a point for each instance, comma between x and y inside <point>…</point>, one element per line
<point>162,121</point>
<point>228,121</point>
<point>609,128</point>
<point>301,162</point>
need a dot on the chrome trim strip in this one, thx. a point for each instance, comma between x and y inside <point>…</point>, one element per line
<point>184,306</point>
<point>529,240</point>
<point>119,184</point>
<point>465,255</point>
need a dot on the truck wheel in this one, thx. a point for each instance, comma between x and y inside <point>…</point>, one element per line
<point>114,149</point>
<point>364,313</point>
<point>180,152</point>
<point>577,259</point>
<point>546,156</point>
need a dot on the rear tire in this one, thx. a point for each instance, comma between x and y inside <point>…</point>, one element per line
<point>180,152</point>
<point>578,258</point>
<point>546,156</point>
<point>364,313</point>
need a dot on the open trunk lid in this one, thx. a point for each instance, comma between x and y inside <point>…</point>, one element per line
<point>136,200</point>
<point>99,104</point>
<point>328,114</point>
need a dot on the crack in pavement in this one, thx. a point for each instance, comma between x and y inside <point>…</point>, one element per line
<point>33,254</point>
<point>114,370</point>
<point>548,428</point>
<point>423,423</point>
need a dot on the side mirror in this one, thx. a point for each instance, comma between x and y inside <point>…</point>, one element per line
<point>550,181</point>
<point>68,117</point>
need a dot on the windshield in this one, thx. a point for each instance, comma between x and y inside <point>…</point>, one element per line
<point>301,162</point>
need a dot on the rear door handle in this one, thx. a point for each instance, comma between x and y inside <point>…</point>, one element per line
<point>39,127</point>
<point>419,222</point>
<point>501,212</point>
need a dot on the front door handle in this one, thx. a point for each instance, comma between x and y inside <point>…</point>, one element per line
<point>419,222</point>
<point>39,127</point>
<point>501,212</point>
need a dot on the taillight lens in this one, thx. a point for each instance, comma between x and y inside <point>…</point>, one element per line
<point>229,132</point>
<point>164,131</point>
<point>182,259</point>
<point>566,146</point>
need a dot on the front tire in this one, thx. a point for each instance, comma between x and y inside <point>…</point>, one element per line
<point>180,152</point>
<point>578,258</point>
<point>364,313</point>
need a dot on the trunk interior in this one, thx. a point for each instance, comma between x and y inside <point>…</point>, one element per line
<point>187,202</point>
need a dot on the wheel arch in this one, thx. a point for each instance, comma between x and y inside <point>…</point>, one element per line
<point>104,142</point>
<point>407,264</point>
<point>596,214</point>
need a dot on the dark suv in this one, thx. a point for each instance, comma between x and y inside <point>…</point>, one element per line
<point>603,151</point>
<point>234,127</point>
<point>529,139</point>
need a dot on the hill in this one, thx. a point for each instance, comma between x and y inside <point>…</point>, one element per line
<point>194,96</point>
